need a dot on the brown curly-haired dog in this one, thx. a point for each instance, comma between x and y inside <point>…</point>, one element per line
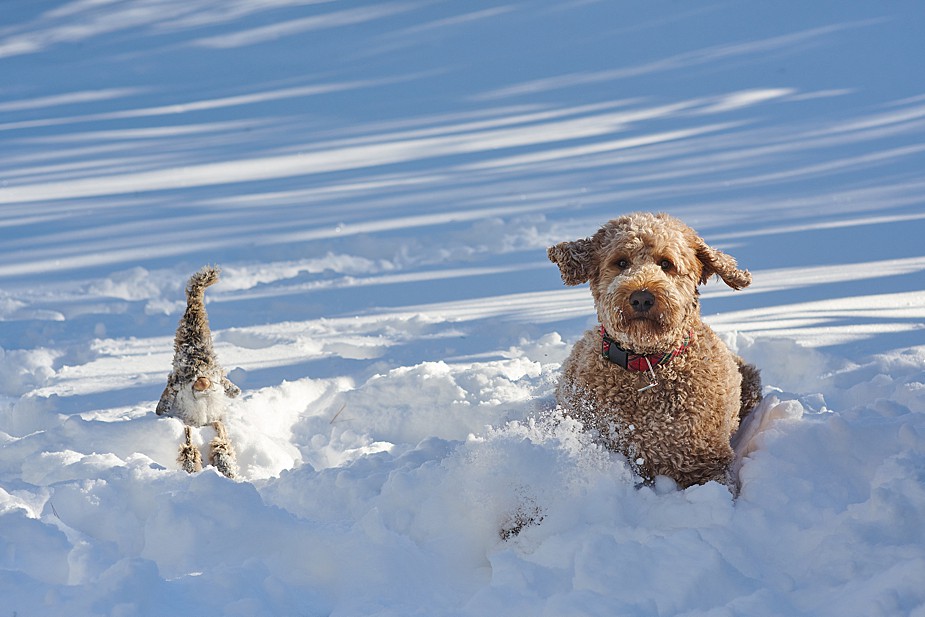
<point>197,387</point>
<point>654,381</point>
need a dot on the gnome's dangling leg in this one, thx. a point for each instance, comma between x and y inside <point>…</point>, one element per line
<point>189,458</point>
<point>222,453</point>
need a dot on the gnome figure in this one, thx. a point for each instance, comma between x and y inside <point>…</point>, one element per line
<point>197,388</point>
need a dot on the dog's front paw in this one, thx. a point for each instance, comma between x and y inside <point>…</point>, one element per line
<point>527,514</point>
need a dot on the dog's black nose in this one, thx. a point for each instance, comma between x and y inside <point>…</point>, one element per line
<point>642,301</point>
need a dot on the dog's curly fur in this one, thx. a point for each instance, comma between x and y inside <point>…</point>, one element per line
<point>681,427</point>
<point>197,387</point>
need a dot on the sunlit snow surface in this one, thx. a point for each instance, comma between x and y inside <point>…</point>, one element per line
<point>379,182</point>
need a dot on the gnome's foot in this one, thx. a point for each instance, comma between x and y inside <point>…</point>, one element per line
<point>222,454</point>
<point>189,458</point>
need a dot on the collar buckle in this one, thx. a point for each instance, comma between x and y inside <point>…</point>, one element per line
<point>610,350</point>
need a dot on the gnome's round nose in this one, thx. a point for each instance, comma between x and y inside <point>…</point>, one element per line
<point>202,384</point>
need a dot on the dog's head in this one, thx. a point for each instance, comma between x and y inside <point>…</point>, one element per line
<point>644,270</point>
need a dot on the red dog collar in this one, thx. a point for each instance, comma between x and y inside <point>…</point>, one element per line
<point>642,363</point>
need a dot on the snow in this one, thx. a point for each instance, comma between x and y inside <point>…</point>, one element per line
<point>379,181</point>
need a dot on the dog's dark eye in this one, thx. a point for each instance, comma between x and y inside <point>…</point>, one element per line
<point>622,264</point>
<point>666,265</point>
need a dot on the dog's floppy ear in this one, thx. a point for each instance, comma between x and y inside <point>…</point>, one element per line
<point>717,262</point>
<point>575,260</point>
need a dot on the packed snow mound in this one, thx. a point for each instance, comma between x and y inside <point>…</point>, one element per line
<point>457,488</point>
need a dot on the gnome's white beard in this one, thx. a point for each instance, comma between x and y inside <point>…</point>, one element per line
<point>199,408</point>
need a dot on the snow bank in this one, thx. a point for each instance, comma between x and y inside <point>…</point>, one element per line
<point>394,496</point>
